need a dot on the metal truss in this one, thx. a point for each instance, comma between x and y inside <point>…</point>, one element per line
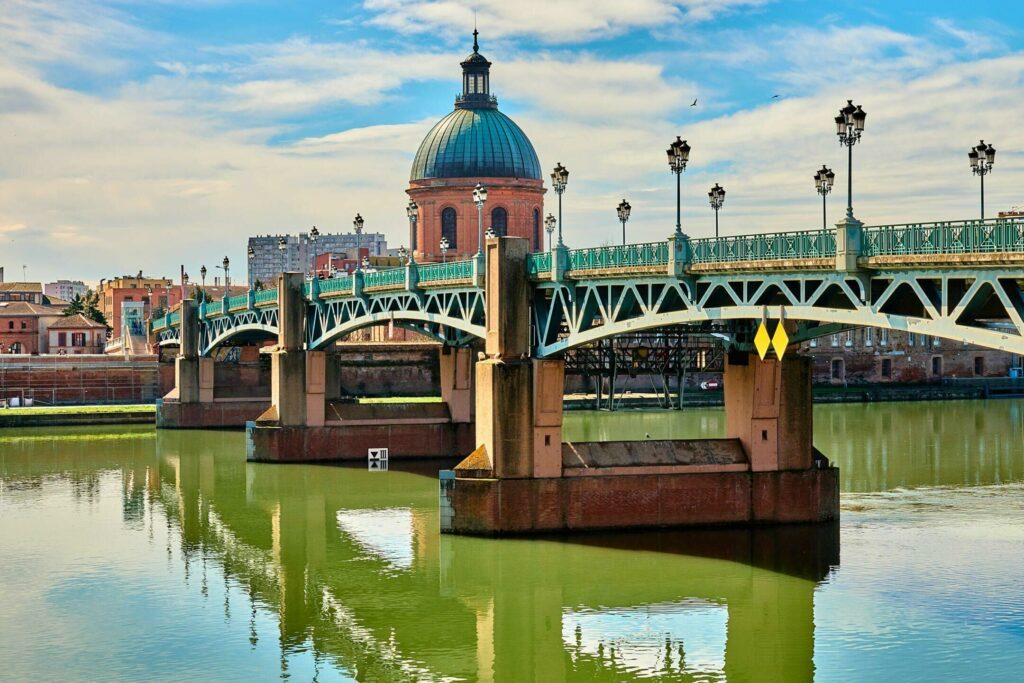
<point>666,352</point>
<point>983,307</point>
<point>454,317</point>
<point>260,322</point>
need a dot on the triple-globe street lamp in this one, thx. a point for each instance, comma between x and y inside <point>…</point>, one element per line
<point>823,181</point>
<point>982,158</point>
<point>559,181</point>
<point>282,245</point>
<point>849,126</point>
<point>549,227</point>
<point>717,198</point>
<point>623,210</point>
<point>251,253</point>
<point>479,198</point>
<point>444,245</point>
<point>412,211</point>
<point>678,156</point>
<point>358,224</point>
<point>314,235</point>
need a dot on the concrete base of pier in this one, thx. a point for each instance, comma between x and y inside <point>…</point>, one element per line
<point>671,484</point>
<point>227,413</point>
<point>409,431</point>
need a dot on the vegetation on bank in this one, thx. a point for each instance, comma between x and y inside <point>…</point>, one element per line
<point>80,410</point>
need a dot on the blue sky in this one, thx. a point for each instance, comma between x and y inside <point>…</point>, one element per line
<point>148,134</point>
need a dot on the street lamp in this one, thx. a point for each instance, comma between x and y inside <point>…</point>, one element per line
<point>982,157</point>
<point>252,262</point>
<point>444,249</point>
<point>849,126</point>
<point>717,197</point>
<point>549,227</point>
<point>823,181</point>
<point>366,262</point>
<point>358,223</point>
<point>678,155</point>
<point>479,198</point>
<point>282,244</point>
<point>202,274</point>
<point>314,235</point>
<point>227,274</point>
<point>559,179</point>
<point>623,209</point>
<point>402,253</point>
<point>490,234</point>
<point>413,212</point>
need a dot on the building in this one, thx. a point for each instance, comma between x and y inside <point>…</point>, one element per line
<point>159,292</point>
<point>23,326</point>
<point>76,334</point>
<point>473,144</point>
<point>31,292</point>
<point>268,260</point>
<point>65,289</point>
<point>868,355</point>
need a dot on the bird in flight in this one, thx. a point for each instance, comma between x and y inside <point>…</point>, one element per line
<point>775,97</point>
<point>694,103</point>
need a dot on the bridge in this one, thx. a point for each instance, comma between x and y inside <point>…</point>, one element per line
<point>958,280</point>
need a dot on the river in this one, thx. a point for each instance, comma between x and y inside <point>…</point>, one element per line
<point>128,554</point>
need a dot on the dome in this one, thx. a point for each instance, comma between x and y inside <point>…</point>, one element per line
<point>476,142</point>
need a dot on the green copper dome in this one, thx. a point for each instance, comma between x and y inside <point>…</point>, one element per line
<point>478,142</point>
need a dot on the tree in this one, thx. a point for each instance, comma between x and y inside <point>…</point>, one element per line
<point>88,305</point>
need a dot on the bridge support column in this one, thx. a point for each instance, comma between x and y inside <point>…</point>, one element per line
<point>298,377</point>
<point>456,375</point>
<point>768,408</point>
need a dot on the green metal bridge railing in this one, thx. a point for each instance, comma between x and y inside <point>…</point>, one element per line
<point>946,237</point>
<point>389,277</point>
<point>765,247</point>
<point>440,272</point>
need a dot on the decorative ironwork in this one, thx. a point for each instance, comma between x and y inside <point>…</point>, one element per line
<point>538,263</point>
<point>441,272</point>
<point>619,256</point>
<point>946,237</point>
<point>389,277</point>
<point>765,247</point>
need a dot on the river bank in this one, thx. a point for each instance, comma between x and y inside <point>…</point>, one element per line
<point>64,416</point>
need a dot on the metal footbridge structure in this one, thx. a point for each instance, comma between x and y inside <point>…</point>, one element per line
<point>958,280</point>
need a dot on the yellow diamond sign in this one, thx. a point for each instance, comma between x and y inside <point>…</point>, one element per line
<point>780,340</point>
<point>762,341</point>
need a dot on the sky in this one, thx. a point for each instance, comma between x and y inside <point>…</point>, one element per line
<point>144,135</point>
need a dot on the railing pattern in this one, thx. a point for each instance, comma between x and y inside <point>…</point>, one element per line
<point>619,256</point>
<point>266,296</point>
<point>946,237</point>
<point>336,284</point>
<point>439,272</point>
<point>174,318</point>
<point>389,277</point>
<point>237,302</point>
<point>539,263</point>
<point>765,247</point>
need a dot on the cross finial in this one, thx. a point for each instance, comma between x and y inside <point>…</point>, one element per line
<point>476,46</point>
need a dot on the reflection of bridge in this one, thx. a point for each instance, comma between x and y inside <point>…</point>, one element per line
<point>955,280</point>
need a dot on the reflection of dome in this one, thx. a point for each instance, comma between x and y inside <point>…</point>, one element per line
<point>476,143</point>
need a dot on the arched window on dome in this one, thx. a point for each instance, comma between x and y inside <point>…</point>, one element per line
<point>449,223</point>
<point>536,229</point>
<point>499,221</point>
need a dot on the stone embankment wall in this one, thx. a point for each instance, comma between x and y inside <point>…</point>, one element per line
<point>70,380</point>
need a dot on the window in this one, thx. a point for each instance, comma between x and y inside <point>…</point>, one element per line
<point>814,343</point>
<point>62,339</point>
<point>838,369</point>
<point>449,224</point>
<point>536,229</point>
<point>24,325</point>
<point>835,340</point>
<point>883,337</point>
<point>911,339</point>
<point>849,338</point>
<point>10,324</point>
<point>869,336</point>
<point>979,366</point>
<point>937,366</point>
<point>499,222</point>
<point>78,338</point>
<point>887,368</point>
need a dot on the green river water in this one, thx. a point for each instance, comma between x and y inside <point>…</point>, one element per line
<point>128,554</point>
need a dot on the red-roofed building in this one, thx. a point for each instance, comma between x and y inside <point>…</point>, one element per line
<point>23,326</point>
<point>76,334</point>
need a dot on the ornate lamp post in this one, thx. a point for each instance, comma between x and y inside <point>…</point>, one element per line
<point>444,249</point>
<point>402,254</point>
<point>227,274</point>
<point>251,253</point>
<point>366,262</point>
<point>282,244</point>
<point>849,126</point>
<point>314,235</point>
<point>413,212</point>
<point>678,155</point>
<point>358,224</point>
<point>202,275</point>
<point>479,198</point>
<point>559,179</point>
<point>623,210</point>
<point>717,197</point>
<point>490,234</point>
<point>982,158</point>
<point>549,227</point>
<point>823,181</point>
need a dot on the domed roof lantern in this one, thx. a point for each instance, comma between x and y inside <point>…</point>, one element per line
<point>476,80</point>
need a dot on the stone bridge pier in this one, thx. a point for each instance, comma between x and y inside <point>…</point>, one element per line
<point>194,402</point>
<point>523,478</point>
<point>308,420</point>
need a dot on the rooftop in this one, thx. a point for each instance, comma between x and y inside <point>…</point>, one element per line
<point>76,322</point>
